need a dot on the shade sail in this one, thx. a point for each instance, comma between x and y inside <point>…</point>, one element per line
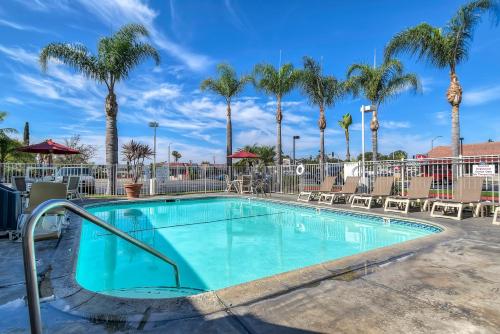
<point>243,155</point>
<point>48,147</point>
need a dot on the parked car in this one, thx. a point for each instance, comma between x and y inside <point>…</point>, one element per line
<point>87,180</point>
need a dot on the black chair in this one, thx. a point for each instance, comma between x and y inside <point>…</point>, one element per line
<point>11,204</point>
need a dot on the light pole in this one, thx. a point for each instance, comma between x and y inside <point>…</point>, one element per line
<point>294,139</point>
<point>461,145</point>
<point>154,125</point>
<point>432,141</point>
<point>364,109</point>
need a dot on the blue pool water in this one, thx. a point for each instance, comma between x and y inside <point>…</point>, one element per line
<point>220,242</point>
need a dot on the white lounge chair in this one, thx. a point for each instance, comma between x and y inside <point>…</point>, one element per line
<point>418,194</point>
<point>382,189</point>
<point>348,190</point>
<point>466,194</point>
<point>325,187</point>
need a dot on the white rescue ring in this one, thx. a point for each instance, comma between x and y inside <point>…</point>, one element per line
<point>300,169</point>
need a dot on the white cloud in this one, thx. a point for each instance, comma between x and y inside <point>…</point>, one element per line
<point>427,83</point>
<point>164,92</point>
<point>481,96</point>
<point>18,26</point>
<point>118,12</point>
<point>13,100</point>
<point>411,143</point>
<point>394,125</point>
<point>441,117</point>
<point>20,55</point>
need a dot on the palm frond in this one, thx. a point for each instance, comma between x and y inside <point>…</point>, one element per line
<point>132,31</point>
<point>74,55</point>
<point>227,84</point>
<point>460,29</point>
<point>277,82</point>
<point>378,84</point>
<point>424,41</point>
<point>400,84</point>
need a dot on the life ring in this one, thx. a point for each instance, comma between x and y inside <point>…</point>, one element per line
<point>300,169</point>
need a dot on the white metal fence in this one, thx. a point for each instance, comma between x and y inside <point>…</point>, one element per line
<point>178,179</point>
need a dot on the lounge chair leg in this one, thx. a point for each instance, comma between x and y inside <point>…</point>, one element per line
<point>460,211</point>
<point>478,212</point>
<point>495,217</point>
<point>407,206</point>
<point>433,209</point>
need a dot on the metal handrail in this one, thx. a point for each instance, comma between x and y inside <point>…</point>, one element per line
<point>29,252</point>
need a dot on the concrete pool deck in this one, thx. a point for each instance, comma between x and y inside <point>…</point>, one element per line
<point>445,284</point>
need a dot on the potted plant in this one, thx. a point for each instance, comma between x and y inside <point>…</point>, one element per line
<point>134,154</point>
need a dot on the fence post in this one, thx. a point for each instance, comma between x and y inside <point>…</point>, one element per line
<point>205,173</point>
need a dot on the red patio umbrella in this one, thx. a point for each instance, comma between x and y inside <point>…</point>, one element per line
<point>243,155</point>
<point>48,147</point>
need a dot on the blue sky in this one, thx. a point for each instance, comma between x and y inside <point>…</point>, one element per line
<point>193,36</point>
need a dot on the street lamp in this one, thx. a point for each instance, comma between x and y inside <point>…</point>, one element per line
<point>364,109</point>
<point>432,141</point>
<point>461,145</point>
<point>294,139</point>
<point>154,125</point>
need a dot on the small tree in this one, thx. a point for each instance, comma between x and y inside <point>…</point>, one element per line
<point>87,152</point>
<point>134,154</point>
<point>26,134</point>
<point>176,155</point>
<point>345,123</point>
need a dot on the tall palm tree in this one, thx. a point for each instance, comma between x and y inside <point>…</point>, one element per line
<point>116,56</point>
<point>345,123</point>
<point>322,91</point>
<point>276,82</point>
<point>227,85</point>
<point>446,48</point>
<point>379,84</point>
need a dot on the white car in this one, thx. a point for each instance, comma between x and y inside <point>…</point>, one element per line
<point>87,180</point>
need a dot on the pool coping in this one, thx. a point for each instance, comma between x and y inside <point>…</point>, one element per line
<point>72,298</point>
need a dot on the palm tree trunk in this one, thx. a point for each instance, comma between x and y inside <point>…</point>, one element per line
<point>111,140</point>
<point>374,125</point>
<point>229,135</point>
<point>348,152</point>
<point>454,96</point>
<point>322,127</point>
<point>279,118</point>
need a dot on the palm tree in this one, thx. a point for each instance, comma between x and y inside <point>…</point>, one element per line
<point>227,85</point>
<point>266,153</point>
<point>117,55</point>
<point>379,84</point>
<point>322,91</point>
<point>446,48</point>
<point>345,123</point>
<point>276,82</point>
<point>176,155</point>
<point>5,131</point>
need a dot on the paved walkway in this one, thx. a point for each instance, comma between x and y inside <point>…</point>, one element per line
<point>450,287</point>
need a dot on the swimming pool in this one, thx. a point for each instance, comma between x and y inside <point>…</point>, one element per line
<point>220,242</point>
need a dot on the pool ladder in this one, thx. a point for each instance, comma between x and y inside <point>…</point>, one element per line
<point>29,252</point>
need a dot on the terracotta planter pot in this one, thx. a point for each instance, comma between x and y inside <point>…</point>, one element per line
<point>133,190</point>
